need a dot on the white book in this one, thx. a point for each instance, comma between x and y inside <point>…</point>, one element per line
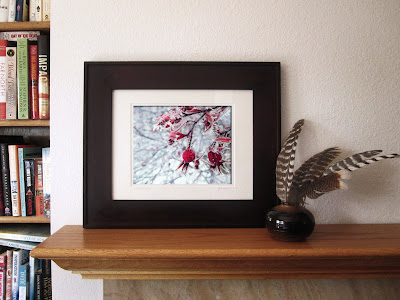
<point>11,105</point>
<point>32,11</point>
<point>4,10</point>
<point>38,10</point>
<point>45,10</point>
<point>15,35</point>
<point>11,10</point>
<point>3,79</point>
<point>20,257</point>
<point>18,244</point>
<point>46,181</point>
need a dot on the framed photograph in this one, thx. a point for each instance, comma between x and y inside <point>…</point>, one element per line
<point>180,144</point>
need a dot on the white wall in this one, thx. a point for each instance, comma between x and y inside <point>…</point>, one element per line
<point>340,71</point>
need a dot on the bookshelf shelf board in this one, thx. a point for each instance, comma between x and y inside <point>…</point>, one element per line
<point>24,123</point>
<point>332,251</point>
<point>24,220</point>
<point>20,26</point>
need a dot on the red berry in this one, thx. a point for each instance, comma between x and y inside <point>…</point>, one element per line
<point>214,157</point>
<point>188,155</point>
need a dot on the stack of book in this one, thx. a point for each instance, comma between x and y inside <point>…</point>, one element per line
<point>25,178</point>
<point>24,10</point>
<point>23,277</point>
<point>24,75</point>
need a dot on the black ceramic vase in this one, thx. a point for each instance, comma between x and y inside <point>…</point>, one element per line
<point>290,223</point>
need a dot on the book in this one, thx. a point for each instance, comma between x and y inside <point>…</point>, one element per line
<point>29,181</point>
<point>46,273</point>
<point>32,11</point>
<point>3,274</point>
<point>33,268</point>
<point>33,80</point>
<point>20,232</point>
<point>23,285</point>
<point>3,78</point>
<point>4,12</point>
<point>39,200</point>
<point>11,11</point>
<point>9,275</point>
<point>38,9</point>
<point>13,36</point>
<point>5,178</point>
<point>14,178</point>
<point>18,244</point>
<point>46,161</point>
<point>19,10</point>
<point>2,209</point>
<point>20,257</point>
<point>22,78</point>
<point>11,60</point>
<point>39,285</point>
<point>25,153</point>
<point>44,76</point>
<point>46,10</point>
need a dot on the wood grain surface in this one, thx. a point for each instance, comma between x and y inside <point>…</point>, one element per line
<point>332,251</point>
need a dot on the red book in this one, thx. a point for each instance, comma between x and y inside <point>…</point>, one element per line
<point>33,81</point>
<point>39,200</point>
<point>3,78</point>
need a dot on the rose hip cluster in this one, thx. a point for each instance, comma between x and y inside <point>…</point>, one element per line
<point>182,120</point>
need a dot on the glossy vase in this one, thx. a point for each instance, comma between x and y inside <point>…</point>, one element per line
<point>290,223</point>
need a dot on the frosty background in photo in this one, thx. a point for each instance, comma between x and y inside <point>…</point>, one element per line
<point>159,155</point>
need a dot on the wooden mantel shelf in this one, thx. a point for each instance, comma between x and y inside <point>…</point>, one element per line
<point>333,251</point>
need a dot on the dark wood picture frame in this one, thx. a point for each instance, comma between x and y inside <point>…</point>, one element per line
<point>101,78</point>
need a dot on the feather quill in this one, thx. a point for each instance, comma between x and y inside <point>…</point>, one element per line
<point>285,162</point>
<point>351,163</point>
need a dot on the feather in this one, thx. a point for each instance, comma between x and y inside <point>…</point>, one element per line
<point>325,184</point>
<point>350,163</point>
<point>285,162</point>
<point>310,171</point>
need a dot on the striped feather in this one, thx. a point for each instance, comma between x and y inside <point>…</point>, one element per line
<point>325,184</point>
<point>320,165</point>
<point>351,163</point>
<point>285,162</point>
<point>375,159</point>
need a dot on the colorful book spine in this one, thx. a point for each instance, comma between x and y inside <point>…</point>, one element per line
<point>20,257</point>
<point>39,200</point>
<point>46,181</point>
<point>30,187</point>
<point>3,274</point>
<point>5,176</point>
<point>23,281</point>
<point>3,78</point>
<point>33,80</point>
<point>38,10</point>
<point>13,36</point>
<point>8,294</point>
<point>46,10</point>
<point>11,105</point>
<point>19,10</point>
<point>44,76</point>
<point>4,12</point>
<point>11,11</point>
<point>22,76</point>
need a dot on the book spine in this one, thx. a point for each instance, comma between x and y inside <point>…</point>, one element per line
<point>3,78</point>
<point>23,281</point>
<point>4,10</point>
<point>33,79</point>
<point>47,291</point>
<point>44,76</point>
<point>5,176</point>
<point>22,76</point>
<point>46,10</point>
<point>15,274</point>
<point>22,237</point>
<point>13,36</point>
<point>39,187</point>
<point>2,210</point>
<point>25,11</point>
<point>39,285</point>
<point>21,168</point>
<point>11,105</point>
<point>46,181</point>
<point>19,7</point>
<point>3,274</point>
<point>14,180</point>
<point>38,9</point>
<point>30,187</point>
<point>33,267</point>
<point>18,244</point>
<point>9,275</point>
<point>32,11</point>
<point>11,11</point>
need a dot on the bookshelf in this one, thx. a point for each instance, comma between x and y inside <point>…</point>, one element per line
<point>33,131</point>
